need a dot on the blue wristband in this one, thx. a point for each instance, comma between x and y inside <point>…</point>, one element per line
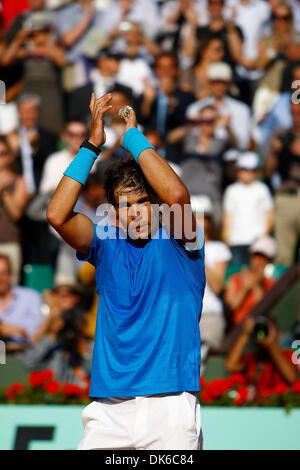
<point>79,169</point>
<point>135,142</point>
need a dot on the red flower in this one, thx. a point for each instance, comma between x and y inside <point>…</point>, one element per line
<point>242,395</point>
<point>266,392</point>
<point>202,383</point>
<point>72,390</point>
<point>35,379</point>
<point>14,390</point>
<point>296,386</point>
<point>280,388</point>
<point>217,387</point>
<point>206,397</point>
<point>47,375</point>
<point>237,379</point>
<point>52,387</point>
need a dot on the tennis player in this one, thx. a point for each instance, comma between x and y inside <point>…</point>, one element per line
<point>150,281</point>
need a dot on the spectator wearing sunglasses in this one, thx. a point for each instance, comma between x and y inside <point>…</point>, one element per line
<point>204,142</point>
<point>232,110</point>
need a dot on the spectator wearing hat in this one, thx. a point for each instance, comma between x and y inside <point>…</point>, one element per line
<point>235,112</point>
<point>245,289</point>
<point>204,142</point>
<point>247,208</point>
<point>283,164</point>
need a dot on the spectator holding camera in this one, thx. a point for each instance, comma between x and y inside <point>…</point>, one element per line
<point>35,46</point>
<point>267,365</point>
<point>245,289</point>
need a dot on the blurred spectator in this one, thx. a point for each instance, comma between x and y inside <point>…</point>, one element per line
<point>57,163</point>
<point>267,365</point>
<point>143,12</point>
<point>204,143</point>
<point>251,16</point>
<point>284,161</point>
<point>163,107</point>
<point>36,47</point>
<point>245,289</point>
<point>154,138</point>
<point>105,75</point>
<point>31,143</point>
<point>74,24</point>
<point>114,124</point>
<point>92,195</point>
<point>220,78</point>
<point>133,43</point>
<point>218,27</point>
<point>217,257</point>
<point>13,199</point>
<point>60,343</point>
<point>178,16</point>
<point>248,208</point>
<point>55,166</point>
<point>194,79</point>
<point>13,73</point>
<point>32,146</point>
<point>279,117</point>
<point>20,310</point>
<point>274,52</point>
<point>138,52</point>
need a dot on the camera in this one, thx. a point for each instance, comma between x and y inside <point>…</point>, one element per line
<point>261,327</point>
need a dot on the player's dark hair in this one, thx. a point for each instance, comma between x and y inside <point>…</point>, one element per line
<point>127,174</point>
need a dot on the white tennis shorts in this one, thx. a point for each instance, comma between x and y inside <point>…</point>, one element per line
<point>167,421</point>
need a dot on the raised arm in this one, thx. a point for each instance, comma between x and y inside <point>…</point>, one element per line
<point>161,177</point>
<point>77,229</point>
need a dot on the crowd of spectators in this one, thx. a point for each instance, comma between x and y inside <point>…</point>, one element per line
<point>215,87</point>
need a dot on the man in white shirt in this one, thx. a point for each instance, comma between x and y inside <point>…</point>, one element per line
<point>57,163</point>
<point>248,208</point>
<point>238,114</point>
